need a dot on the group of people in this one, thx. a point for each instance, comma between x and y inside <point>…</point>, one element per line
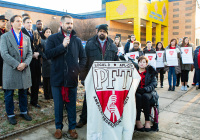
<point>64,60</point>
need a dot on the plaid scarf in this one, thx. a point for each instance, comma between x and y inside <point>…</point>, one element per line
<point>19,42</point>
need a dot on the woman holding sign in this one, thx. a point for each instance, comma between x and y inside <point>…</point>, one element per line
<point>187,54</point>
<point>160,64</point>
<point>172,62</point>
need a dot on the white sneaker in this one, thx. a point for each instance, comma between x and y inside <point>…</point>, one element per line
<point>183,88</point>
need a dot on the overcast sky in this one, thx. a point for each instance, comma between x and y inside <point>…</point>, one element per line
<point>72,6</point>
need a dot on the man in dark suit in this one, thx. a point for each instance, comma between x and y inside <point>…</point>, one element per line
<point>3,23</point>
<point>68,58</point>
<point>35,63</point>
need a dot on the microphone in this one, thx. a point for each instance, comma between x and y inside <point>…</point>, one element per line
<point>68,33</point>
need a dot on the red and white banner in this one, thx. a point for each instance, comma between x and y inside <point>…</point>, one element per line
<point>186,55</point>
<point>110,93</point>
<point>135,55</point>
<point>171,57</point>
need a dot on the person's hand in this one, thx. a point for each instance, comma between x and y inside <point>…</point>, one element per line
<point>177,50</point>
<point>165,63</point>
<point>66,41</point>
<point>35,55</point>
<point>140,90</point>
<point>21,66</point>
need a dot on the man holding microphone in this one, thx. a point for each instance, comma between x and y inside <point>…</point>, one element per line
<point>68,58</point>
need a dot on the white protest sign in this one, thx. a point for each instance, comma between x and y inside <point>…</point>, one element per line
<point>133,55</point>
<point>120,51</point>
<point>186,55</point>
<point>111,108</point>
<point>152,59</point>
<point>159,61</point>
<point>171,57</point>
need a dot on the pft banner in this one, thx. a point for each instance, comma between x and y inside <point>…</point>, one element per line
<point>110,93</point>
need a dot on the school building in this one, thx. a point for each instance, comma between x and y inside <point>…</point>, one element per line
<point>148,20</point>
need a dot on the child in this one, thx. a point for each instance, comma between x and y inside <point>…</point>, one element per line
<point>144,92</point>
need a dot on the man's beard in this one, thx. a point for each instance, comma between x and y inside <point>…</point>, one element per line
<point>102,37</point>
<point>67,30</point>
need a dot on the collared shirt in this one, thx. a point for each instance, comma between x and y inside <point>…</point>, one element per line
<point>17,36</point>
<point>102,42</point>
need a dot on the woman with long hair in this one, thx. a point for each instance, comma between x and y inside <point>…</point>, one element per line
<point>173,70</point>
<point>159,47</point>
<point>185,68</point>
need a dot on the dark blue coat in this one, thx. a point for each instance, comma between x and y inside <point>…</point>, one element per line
<point>196,52</point>
<point>127,47</point>
<point>66,63</point>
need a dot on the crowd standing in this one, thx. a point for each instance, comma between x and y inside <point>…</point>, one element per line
<point>60,58</point>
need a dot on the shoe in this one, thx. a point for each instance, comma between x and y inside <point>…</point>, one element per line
<point>26,117</point>
<point>193,84</point>
<point>73,134</point>
<point>80,124</point>
<point>36,105</point>
<point>197,86</point>
<point>170,88</point>
<point>173,88</point>
<point>185,88</point>
<point>140,129</point>
<point>161,86</point>
<point>147,129</point>
<point>12,120</point>
<point>182,88</point>
<point>58,134</point>
<point>177,85</point>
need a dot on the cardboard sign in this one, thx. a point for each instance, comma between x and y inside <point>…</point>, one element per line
<point>186,55</point>
<point>171,57</point>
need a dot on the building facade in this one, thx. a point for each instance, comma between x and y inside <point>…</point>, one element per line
<point>148,20</point>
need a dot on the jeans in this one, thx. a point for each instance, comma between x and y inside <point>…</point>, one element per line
<point>197,74</point>
<point>22,95</point>
<point>70,107</point>
<point>170,74</point>
<point>83,116</point>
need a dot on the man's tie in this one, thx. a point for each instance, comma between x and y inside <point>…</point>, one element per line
<point>30,33</point>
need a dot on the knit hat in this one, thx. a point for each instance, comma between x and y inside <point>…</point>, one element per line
<point>104,27</point>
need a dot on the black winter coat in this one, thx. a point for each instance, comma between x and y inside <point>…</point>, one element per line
<point>66,63</point>
<point>147,51</point>
<point>35,65</point>
<point>94,53</point>
<point>150,78</point>
<point>127,47</point>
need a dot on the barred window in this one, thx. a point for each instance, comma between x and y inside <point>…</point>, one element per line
<point>175,33</point>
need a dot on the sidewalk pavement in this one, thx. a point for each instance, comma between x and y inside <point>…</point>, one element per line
<point>179,118</point>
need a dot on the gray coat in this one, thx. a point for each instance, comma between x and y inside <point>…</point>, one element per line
<point>12,78</point>
<point>177,68</point>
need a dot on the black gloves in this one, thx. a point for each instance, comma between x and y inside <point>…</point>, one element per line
<point>141,90</point>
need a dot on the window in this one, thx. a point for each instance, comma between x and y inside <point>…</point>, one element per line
<point>175,21</point>
<point>188,27</point>
<point>188,2</point>
<point>176,3</point>
<point>175,10</point>
<point>175,27</point>
<point>175,33</point>
<point>176,15</point>
<point>188,20</point>
<point>188,33</point>
<point>188,8</point>
<point>188,14</point>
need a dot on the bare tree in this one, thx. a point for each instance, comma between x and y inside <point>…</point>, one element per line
<point>85,29</point>
<point>54,25</point>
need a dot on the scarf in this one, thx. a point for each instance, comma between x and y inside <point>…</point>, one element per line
<point>19,42</point>
<point>198,59</point>
<point>65,90</point>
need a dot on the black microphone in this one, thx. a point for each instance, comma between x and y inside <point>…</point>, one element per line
<point>68,33</point>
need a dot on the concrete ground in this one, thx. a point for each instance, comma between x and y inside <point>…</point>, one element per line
<point>179,118</point>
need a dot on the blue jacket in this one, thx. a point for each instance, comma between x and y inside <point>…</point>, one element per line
<point>66,62</point>
<point>196,52</point>
<point>127,47</point>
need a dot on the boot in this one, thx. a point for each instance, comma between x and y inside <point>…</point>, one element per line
<point>170,88</point>
<point>173,88</point>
